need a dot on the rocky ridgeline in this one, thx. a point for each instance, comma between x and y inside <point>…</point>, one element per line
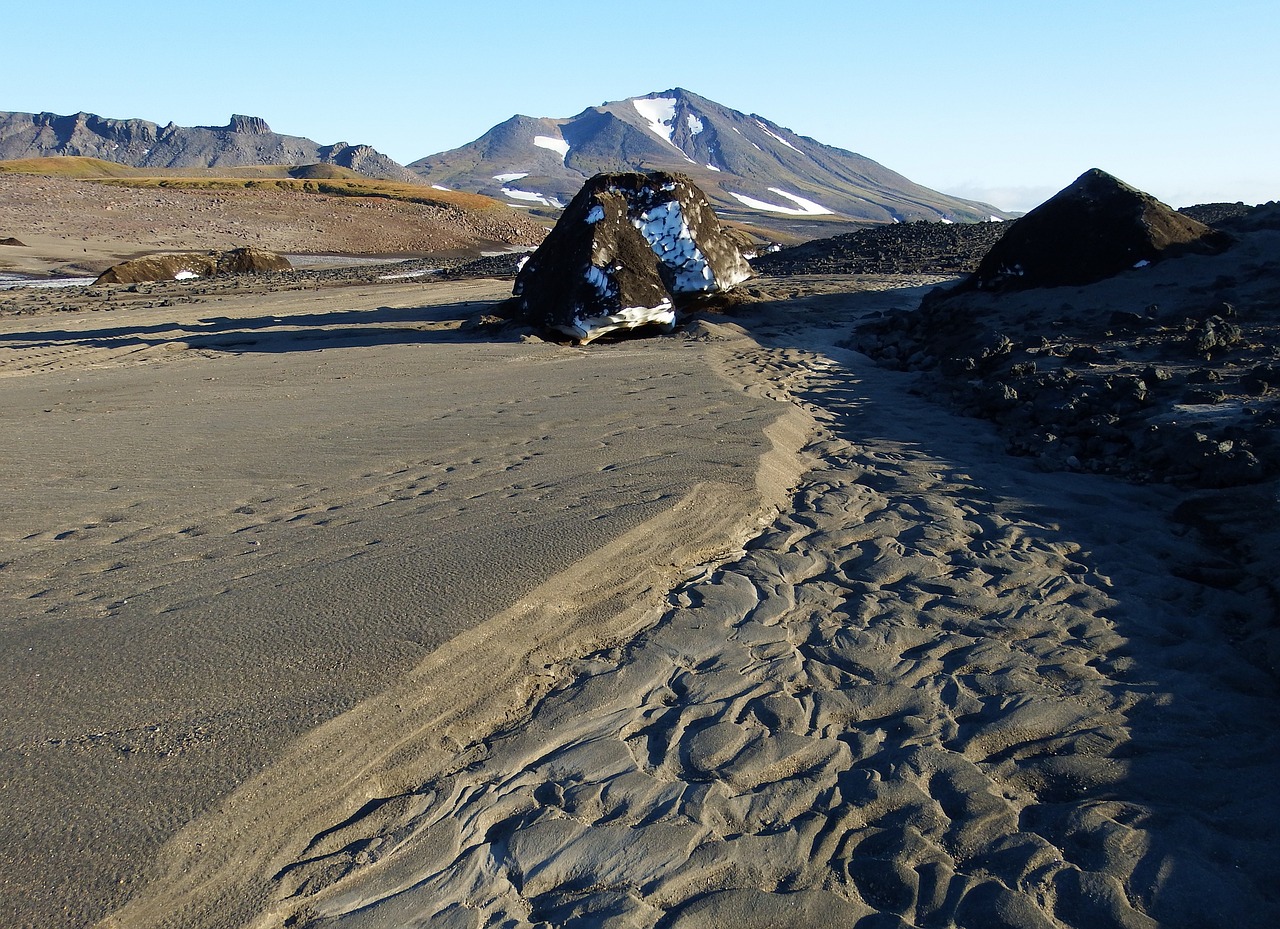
<point>896,248</point>
<point>1166,372</point>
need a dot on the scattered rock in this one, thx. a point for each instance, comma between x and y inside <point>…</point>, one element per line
<point>889,248</point>
<point>1182,392</point>
<point>623,253</point>
<point>13,241</point>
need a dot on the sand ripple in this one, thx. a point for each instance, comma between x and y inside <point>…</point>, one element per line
<point>941,690</point>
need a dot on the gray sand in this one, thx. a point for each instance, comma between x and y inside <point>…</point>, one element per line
<point>220,534</point>
<point>578,680</point>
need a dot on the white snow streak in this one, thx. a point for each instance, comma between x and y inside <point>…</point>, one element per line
<point>779,138</point>
<point>508,178</point>
<point>803,207</point>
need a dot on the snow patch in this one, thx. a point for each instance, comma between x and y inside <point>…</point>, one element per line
<point>529,196</point>
<point>712,167</point>
<point>508,178</point>
<point>995,219</point>
<point>667,233</point>
<point>660,113</point>
<point>586,328</point>
<point>438,187</point>
<point>694,123</point>
<point>407,274</point>
<point>803,207</point>
<point>554,144</point>
<point>777,137</point>
<point>596,214</point>
<point>185,275</point>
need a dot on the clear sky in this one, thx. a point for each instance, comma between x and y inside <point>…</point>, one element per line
<point>1006,102</point>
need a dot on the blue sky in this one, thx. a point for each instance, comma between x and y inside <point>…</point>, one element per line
<point>1001,101</point>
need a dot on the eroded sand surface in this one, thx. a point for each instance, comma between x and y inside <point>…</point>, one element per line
<point>940,688</point>
<point>229,520</point>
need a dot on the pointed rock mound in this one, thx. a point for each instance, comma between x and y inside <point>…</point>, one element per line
<point>1091,230</point>
<point>622,255</point>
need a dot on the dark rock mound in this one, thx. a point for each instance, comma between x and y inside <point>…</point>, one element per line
<point>624,252</point>
<point>892,248</point>
<point>1091,230</point>
<point>12,241</point>
<point>1168,376</point>
<point>185,266</point>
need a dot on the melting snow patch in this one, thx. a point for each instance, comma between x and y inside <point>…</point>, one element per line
<point>664,228</point>
<point>712,167</point>
<point>556,145</point>
<point>438,187</point>
<point>531,197</point>
<point>588,328</point>
<point>508,178</point>
<point>660,112</point>
<point>406,274</point>
<point>185,275</point>
<point>695,124</point>
<point>803,207</point>
<point>996,219</point>
<point>779,138</point>
<point>596,214</point>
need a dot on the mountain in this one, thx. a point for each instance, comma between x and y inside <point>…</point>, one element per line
<point>246,140</point>
<point>752,169</point>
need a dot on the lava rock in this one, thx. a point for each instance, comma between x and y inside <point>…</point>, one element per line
<point>1091,230</point>
<point>625,251</point>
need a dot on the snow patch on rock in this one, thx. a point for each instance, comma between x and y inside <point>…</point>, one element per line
<point>508,178</point>
<point>694,123</point>
<point>664,228</point>
<point>587,328</point>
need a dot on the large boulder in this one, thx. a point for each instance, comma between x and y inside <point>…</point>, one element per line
<point>192,265</point>
<point>1091,230</point>
<point>625,252</point>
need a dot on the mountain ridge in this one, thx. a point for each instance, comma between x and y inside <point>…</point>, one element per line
<point>751,167</point>
<point>140,143</point>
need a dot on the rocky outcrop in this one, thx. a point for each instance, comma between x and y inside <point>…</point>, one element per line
<point>12,241</point>
<point>189,266</point>
<point>245,140</point>
<point>625,252</point>
<point>1091,230</point>
<point>1167,375</point>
